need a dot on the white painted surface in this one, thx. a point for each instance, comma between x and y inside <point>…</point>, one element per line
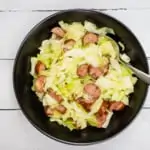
<point>66,4</point>
<point>17,18</point>
<point>16,25</point>
<point>18,134</point>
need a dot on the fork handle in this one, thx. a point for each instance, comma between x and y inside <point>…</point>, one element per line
<point>140,74</point>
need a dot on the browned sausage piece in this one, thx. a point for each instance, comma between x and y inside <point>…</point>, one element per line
<point>82,70</point>
<point>62,109</point>
<point>105,105</point>
<point>95,72</point>
<point>58,31</point>
<point>105,69</point>
<point>86,103</point>
<point>53,94</point>
<point>90,38</point>
<point>92,90</point>
<point>68,44</point>
<point>101,116</point>
<point>39,84</point>
<point>48,111</point>
<point>39,67</point>
<point>116,106</point>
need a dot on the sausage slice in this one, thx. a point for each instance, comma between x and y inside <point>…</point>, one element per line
<point>86,103</point>
<point>39,84</point>
<point>116,106</point>
<point>68,44</point>
<point>48,111</point>
<point>62,109</point>
<point>39,67</point>
<point>82,70</point>
<point>58,31</point>
<point>92,90</point>
<point>95,72</point>
<point>53,94</point>
<point>105,69</point>
<point>101,116</point>
<point>90,38</point>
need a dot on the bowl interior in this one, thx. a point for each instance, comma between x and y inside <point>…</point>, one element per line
<point>33,109</point>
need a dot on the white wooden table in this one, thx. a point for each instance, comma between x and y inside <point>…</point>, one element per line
<point>17,17</point>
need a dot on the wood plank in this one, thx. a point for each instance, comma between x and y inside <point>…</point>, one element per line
<point>8,100</point>
<point>16,25</point>
<point>18,134</point>
<point>7,97</point>
<point>62,4</point>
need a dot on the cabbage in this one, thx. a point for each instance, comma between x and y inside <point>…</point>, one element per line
<point>92,121</point>
<point>45,46</point>
<point>74,30</point>
<point>95,107</point>
<point>121,45</point>
<point>49,101</point>
<point>118,84</point>
<point>115,65</point>
<point>107,49</point>
<point>51,51</point>
<point>61,74</point>
<point>40,96</point>
<point>74,53</point>
<point>78,44</point>
<point>125,58</point>
<point>77,113</point>
<point>70,124</point>
<point>75,87</point>
<point>93,55</point>
<point>90,27</point>
<point>33,64</point>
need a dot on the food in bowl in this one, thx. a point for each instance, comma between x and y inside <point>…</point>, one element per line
<point>78,77</point>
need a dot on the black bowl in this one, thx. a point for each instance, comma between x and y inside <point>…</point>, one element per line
<point>33,109</point>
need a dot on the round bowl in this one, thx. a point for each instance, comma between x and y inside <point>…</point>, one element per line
<point>33,109</point>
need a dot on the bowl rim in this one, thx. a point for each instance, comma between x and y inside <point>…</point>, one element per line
<point>16,93</point>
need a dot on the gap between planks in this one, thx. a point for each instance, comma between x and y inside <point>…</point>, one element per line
<point>55,10</point>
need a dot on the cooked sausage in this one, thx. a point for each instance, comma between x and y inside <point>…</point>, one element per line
<point>90,38</point>
<point>48,111</point>
<point>105,106</point>
<point>105,69</point>
<point>82,70</point>
<point>92,90</point>
<point>39,67</point>
<point>53,94</point>
<point>39,84</point>
<point>86,103</point>
<point>62,109</point>
<point>68,44</point>
<point>101,116</point>
<point>116,106</point>
<point>95,72</point>
<point>58,31</point>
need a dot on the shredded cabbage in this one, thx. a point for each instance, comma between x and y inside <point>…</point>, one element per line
<point>90,27</point>
<point>61,74</point>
